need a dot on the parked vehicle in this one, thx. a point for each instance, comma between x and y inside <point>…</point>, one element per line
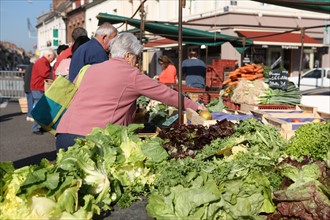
<point>314,78</point>
<point>319,98</point>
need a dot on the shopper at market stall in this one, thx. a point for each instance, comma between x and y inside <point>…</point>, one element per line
<point>77,32</point>
<point>63,67</point>
<point>194,70</point>
<point>94,51</point>
<point>168,74</point>
<point>108,93</point>
<point>41,70</point>
<point>27,88</point>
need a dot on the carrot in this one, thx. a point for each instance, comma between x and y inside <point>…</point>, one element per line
<point>248,75</point>
<point>249,68</point>
<point>259,75</point>
<point>248,65</point>
<point>254,65</point>
<point>250,78</point>
<point>234,72</point>
<point>226,81</point>
<point>234,83</point>
<point>259,69</point>
<point>242,70</point>
<point>235,76</point>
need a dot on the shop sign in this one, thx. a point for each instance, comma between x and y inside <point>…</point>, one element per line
<point>278,79</point>
<point>246,60</point>
<point>289,47</point>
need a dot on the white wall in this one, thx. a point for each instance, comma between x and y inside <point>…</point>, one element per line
<point>91,13</point>
<point>45,33</point>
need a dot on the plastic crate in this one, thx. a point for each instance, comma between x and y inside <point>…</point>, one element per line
<point>223,63</point>
<point>220,65</point>
<point>231,105</point>
<point>276,107</point>
<point>188,89</point>
<point>213,78</point>
<point>204,98</point>
<point>248,107</point>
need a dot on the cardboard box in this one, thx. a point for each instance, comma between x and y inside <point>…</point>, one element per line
<point>23,105</point>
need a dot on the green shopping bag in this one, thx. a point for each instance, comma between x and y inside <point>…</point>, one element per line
<point>55,101</point>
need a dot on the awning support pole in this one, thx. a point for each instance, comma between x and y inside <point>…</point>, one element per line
<point>180,96</point>
<point>302,31</point>
<point>142,14</point>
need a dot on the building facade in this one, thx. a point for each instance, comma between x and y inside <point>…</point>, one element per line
<point>275,31</point>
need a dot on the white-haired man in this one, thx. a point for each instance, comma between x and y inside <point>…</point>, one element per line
<point>94,51</point>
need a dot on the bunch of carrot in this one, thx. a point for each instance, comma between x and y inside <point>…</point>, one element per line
<point>248,71</point>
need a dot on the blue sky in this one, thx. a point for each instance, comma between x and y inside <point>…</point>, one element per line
<point>13,20</point>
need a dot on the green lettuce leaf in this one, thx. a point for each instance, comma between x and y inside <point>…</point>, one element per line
<point>154,150</point>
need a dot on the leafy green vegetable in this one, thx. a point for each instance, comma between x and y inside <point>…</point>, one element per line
<point>13,206</point>
<point>6,170</point>
<point>215,105</point>
<point>154,151</point>
<point>108,166</point>
<point>312,139</point>
<point>244,197</point>
<point>245,179</point>
<point>308,196</point>
<point>291,96</point>
<point>186,140</point>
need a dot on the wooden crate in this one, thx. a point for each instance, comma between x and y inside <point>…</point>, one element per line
<point>193,96</point>
<point>141,135</point>
<point>283,121</point>
<point>273,107</point>
<point>192,117</point>
<point>23,105</point>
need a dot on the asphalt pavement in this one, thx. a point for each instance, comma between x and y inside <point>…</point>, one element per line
<point>17,142</point>
<point>19,145</point>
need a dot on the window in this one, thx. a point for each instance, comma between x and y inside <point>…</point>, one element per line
<point>314,74</point>
<point>55,43</point>
<point>55,33</point>
<point>232,2</point>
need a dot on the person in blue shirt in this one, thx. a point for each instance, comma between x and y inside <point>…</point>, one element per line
<point>194,71</point>
<point>94,51</point>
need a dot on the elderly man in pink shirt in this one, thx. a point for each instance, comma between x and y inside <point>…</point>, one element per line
<point>108,93</point>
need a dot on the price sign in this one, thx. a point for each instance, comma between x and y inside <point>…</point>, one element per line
<point>278,79</point>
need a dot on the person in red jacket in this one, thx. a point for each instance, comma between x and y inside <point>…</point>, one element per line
<point>41,70</point>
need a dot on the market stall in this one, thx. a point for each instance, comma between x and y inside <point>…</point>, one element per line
<point>229,164</point>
